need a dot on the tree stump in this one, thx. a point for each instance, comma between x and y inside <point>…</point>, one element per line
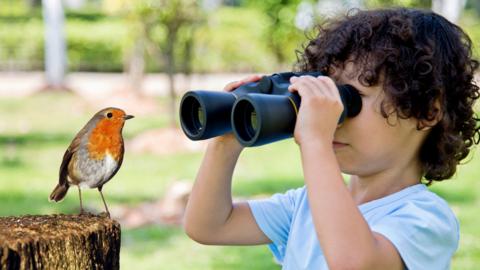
<point>59,242</point>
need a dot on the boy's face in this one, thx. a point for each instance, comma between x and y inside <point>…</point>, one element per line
<point>370,144</point>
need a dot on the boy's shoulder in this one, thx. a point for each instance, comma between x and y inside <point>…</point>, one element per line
<point>419,223</point>
<point>426,201</point>
<point>414,204</point>
<point>417,195</point>
<point>416,207</point>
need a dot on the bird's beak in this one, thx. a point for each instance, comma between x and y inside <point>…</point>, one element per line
<point>126,117</point>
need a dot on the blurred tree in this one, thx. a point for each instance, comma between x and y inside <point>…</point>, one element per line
<point>451,9</point>
<point>281,26</point>
<point>476,4</point>
<point>55,48</point>
<point>162,29</point>
<point>33,3</point>
<point>402,3</point>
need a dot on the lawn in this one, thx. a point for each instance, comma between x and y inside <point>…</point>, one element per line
<point>35,131</point>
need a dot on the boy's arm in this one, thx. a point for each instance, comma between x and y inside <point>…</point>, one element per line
<point>346,239</point>
<point>211,217</point>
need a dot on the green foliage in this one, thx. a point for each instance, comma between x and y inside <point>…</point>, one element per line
<point>471,24</point>
<point>233,41</point>
<point>280,26</point>
<point>176,20</point>
<point>257,37</point>
<point>398,3</point>
<point>95,46</point>
<point>21,42</point>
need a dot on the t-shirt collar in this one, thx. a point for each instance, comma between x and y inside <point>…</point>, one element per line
<point>365,207</point>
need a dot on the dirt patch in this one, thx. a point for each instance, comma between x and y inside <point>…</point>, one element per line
<point>163,142</point>
<point>164,211</point>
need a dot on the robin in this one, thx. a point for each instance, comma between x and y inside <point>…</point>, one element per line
<point>94,156</point>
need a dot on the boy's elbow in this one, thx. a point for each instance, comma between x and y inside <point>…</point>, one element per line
<point>190,231</point>
<point>195,234</point>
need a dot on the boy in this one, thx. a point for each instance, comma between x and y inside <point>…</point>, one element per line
<point>414,72</point>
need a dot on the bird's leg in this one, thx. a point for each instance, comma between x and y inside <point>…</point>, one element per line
<point>103,199</point>
<point>81,204</point>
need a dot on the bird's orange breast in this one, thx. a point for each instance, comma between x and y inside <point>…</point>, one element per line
<point>105,137</point>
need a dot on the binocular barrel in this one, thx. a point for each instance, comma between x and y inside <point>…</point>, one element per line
<point>206,114</point>
<point>258,113</point>
<point>259,119</point>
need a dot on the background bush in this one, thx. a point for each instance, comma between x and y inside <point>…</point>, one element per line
<point>232,40</point>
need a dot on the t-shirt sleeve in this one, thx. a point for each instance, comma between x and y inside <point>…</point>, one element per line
<point>274,217</point>
<point>425,234</point>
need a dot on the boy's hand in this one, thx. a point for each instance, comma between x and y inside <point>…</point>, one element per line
<point>229,139</point>
<point>320,109</point>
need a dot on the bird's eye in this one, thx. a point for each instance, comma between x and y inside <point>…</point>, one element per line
<point>109,115</point>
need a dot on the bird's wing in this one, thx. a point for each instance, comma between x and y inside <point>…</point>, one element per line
<point>67,157</point>
<point>64,167</point>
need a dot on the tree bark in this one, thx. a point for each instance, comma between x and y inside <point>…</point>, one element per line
<point>451,9</point>
<point>170,60</point>
<point>59,242</point>
<point>55,47</point>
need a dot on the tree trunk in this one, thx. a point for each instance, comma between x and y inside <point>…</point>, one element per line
<point>59,242</point>
<point>136,66</point>
<point>170,60</point>
<point>55,48</point>
<point>451,9</point>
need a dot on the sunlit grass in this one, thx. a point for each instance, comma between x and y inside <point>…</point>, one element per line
<point>35,131</point>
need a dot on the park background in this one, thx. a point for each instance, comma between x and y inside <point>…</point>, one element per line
<point>141,56</point>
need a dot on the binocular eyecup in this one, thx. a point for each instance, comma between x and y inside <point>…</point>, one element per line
<point>206,114</point>
<point>258,113</point>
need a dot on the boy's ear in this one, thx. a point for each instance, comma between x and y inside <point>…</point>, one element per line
<point>434,116</point>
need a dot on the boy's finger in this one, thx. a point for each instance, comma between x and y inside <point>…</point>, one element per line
<point>330,85</point>
<point>302,89</point>
<point>318,86</point>
<point>252,78</point>
<point>230,86</point>
<point>233,85</point>
<point>325,88</point>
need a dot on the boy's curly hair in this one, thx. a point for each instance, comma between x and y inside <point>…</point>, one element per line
<point>420,58</point>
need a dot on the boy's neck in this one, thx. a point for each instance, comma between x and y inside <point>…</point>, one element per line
<point>379,185</point>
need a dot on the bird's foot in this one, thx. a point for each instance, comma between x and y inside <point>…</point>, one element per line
<point>105,214</point>
<point>84,213</point>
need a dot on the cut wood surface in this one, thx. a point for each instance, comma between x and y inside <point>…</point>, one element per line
<point>59,242</point>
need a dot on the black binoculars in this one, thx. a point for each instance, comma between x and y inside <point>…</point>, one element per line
<point>258,113</point>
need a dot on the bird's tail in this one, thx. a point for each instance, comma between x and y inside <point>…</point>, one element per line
<point>59,192</point>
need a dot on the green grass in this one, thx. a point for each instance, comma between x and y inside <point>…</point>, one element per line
<point>35,131</point>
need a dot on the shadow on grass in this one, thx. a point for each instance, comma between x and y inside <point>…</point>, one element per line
<point>19,203</point>
<point>142,241</point>
<point>265,186</point>
<point>12,146</point>
<point>15,203</point>
<point>244,257</point>
<point>34,138</point>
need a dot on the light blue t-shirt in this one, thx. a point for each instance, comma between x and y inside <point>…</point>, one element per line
<point>419,223</point>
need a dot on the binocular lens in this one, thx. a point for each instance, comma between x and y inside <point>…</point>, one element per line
<point>206,114</point>
<point>193,117</point>
<point>253,121</point>
<point>201,117</point>
<point>247,117</point>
